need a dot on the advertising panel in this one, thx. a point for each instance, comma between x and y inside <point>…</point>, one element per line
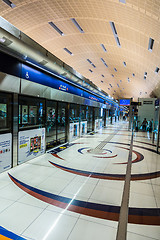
<point>31,144</point>
<point>73,131</point>
<point>83,128</point>
<point>5,151</point>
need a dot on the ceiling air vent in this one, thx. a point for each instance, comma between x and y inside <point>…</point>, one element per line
<point>77,25</point>
<point>157,70</point>
<point>9,3</point>
<point>67,50</point>
<point>115,33</point>
<point>150,45</point>
<point>103,47</point>
<point>56,28</point>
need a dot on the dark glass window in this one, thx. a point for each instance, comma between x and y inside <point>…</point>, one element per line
<point>5,111</point>
<point>74,113</point>
<point>31,111</point>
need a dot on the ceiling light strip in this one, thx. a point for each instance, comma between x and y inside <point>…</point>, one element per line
<point>104,62</point>
<point>77,25</point>
<point>56,28</point>
<point>68,51</point>
<point>115,33</point>
<point>103,47</point>
<point>9,3</point>
<point>157,70</point>
<point>150,45</point>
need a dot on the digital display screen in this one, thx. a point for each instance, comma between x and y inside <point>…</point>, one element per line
<point>124,102</point>
<point>35,143</point>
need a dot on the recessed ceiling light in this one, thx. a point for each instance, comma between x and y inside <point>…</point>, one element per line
<point>115,33</point>
<point>89,61</point>
<point>77,25</point>
<point>68,51</point>
<point>157,70</point>
<point>104,62</point>
<point>56,28</point>
<point>9,3</point>
<point>2,40</point>
<point>124,63</point>
<point>150,45</point>
<point>103,47</point>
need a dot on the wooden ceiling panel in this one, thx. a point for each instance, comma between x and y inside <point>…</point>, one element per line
<point>135,22</point>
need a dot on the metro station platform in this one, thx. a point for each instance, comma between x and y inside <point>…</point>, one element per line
<point>76,191</point>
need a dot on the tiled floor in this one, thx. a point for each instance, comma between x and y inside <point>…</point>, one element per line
<point>80,197</point>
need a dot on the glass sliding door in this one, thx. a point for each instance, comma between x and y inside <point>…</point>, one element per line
<point>89,119</point>
<point>61,123</point>
<point>51,125</point>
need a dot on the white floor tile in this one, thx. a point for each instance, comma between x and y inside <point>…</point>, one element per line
<point>51,225</point>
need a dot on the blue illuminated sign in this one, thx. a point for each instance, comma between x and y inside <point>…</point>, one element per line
<point>124,102</point>
<point>36,76</point>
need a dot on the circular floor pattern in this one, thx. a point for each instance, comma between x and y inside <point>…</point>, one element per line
<point>120,177</point>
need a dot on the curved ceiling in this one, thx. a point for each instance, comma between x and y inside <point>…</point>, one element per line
<point>114,36</point>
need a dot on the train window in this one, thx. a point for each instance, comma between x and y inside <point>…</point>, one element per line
<point>31,111</point>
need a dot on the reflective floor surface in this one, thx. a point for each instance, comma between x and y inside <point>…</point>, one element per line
<point>74,192</point>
